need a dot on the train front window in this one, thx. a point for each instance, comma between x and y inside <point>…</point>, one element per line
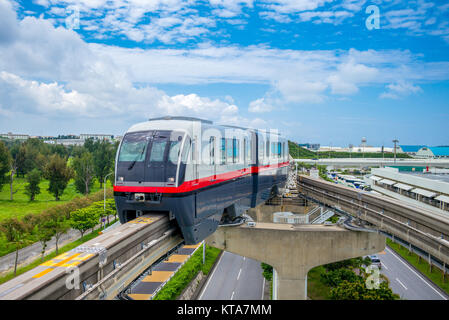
<point>173,154</point>
<point>157,151</point>
<point>134,147</point>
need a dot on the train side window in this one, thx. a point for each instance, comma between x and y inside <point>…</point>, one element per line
<point>223,150</point>
<point>235,150</point>
<point>279,150</point>
<point>229,151</point>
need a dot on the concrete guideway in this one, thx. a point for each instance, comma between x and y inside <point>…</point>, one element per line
<point>421,228</point>
<point>294,250</point>
<point>69,275</point>
<point>374,162</point>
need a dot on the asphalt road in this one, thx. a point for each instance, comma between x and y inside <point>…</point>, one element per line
<point>406,281</point>
<point>234,278</point>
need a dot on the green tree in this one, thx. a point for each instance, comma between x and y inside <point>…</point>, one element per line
<point>58,224</point>
<point>5,159</point>
<point>45,231</point>
<point>84,219</point>
<point>84,172</point>
<point>59,174</point>
<point>103,159</point>
<point>358,291</point>
<point>32,188</point>
<point>15,232</point>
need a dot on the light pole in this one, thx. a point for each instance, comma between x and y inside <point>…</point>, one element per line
<point>395,141</point>
<point>104,202</point>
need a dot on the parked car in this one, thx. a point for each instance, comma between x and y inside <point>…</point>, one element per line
<point>375,261</point>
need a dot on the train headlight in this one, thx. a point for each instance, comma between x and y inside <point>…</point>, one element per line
<point>120,179</point>
<point>171,179</point>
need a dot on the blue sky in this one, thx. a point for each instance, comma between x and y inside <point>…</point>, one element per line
<point>310,68</point>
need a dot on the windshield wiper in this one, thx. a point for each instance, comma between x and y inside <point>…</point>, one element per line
<point>134,162</point>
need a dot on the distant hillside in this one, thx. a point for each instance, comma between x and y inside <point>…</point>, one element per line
<point>298,152</point>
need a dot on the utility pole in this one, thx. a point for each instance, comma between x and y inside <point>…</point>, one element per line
<point>395,141</point>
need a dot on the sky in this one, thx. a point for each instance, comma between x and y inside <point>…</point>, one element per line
<point>319,71</point>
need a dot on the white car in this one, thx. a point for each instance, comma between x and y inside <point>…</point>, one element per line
<point>251,224</point>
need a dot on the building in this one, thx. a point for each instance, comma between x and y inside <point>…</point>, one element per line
<point>96,136</point>
<point>70,142</point>
<point>410,149</point>
<point>433,152</point>
<point>310,146</point>
<point>359,149</point>
<point>14,136</point>
<point>426,190</point>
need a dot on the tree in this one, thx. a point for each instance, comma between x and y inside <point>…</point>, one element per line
<point>14,231</point>
<point>103,159</point>
<point>358,291</point>
<point>84,172</point>
<point>59,174</point>
<point>57,223</point>
<point>32,188</point>
<point>45,232</point>
<point>84,219</point>
<point>5,159</point>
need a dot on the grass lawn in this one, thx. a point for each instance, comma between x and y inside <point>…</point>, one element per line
<point>316,290</point>
<point>423,266</point>
<point>21,205</point>
<point>61,250</point>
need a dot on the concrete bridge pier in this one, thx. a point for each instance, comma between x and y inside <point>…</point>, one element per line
<point>293,250</point>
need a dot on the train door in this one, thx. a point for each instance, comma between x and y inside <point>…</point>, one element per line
<point>155,170</point>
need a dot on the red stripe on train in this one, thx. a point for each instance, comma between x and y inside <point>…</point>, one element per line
<point>202,182</point>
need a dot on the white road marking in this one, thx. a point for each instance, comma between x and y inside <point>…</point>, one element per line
<point>232,296</point>
<point>211,276</point>
<point>384,266</point>
<point>416,274</point>
<point>263,288</point>
<point>239,273</point>
<point>401,283</point>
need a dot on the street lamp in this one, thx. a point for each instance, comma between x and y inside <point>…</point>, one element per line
<point>104,201</point>
<point>395,141</point>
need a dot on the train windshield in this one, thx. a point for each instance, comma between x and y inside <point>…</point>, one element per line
<point>134,147</point>
<point>150,156</point>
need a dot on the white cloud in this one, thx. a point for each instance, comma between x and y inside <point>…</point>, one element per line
<point>400,89</point>
<point>260,106</point>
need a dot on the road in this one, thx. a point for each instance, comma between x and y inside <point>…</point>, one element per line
<point>407,281</point>
<point>234,278</point>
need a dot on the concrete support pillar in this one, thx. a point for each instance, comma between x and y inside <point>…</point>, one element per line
<point>293,250</point>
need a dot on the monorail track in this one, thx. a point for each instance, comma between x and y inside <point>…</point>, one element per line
<point>76,274</point>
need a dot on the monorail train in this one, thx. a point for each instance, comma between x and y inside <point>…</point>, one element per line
<point>198,173</point>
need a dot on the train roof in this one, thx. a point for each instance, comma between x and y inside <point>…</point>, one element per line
<point>181,118</point>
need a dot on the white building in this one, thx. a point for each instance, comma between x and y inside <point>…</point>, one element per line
<point>14,136</point>
<point>96,136</point>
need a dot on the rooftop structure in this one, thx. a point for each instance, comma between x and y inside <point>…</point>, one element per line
<point>433,152</point>
<point>427,190</point>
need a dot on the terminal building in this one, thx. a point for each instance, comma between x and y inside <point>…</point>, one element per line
<point>430,191</point>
